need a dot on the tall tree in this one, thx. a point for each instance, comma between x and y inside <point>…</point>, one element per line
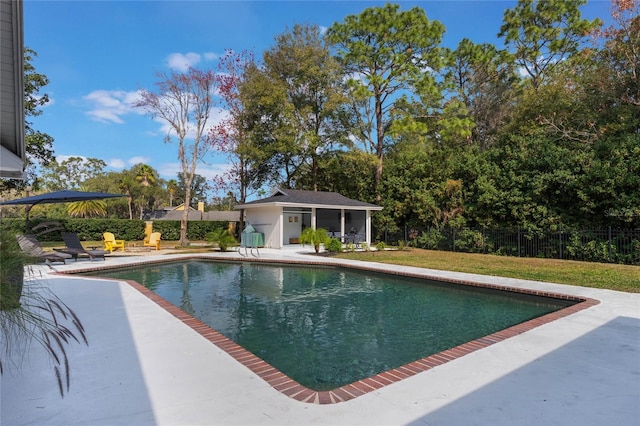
<point>128,184</point>
<point>71,173</point>
<point>387,53</point>
<point>147,177</point>
<point>542,33</point>
<point>199,189</point>
<point>621,52</point>
<point>483,78</point>
<point>248,169</point>
<point>311,80</point>
<point>185,102</point>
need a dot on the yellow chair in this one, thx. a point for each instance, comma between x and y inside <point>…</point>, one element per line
<point>110,242</point>
<point>153,241</point>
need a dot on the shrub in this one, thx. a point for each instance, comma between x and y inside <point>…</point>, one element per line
<point>333,245</point>
<point>314,237</point>
<point>469,240</point>
<point>403,246</point>
<point>380,246</point>
<point>430,239</point>
<point>222,238</point>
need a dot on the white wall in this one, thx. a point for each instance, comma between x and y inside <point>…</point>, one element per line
<point>267,220</point>
<point>291,228</point>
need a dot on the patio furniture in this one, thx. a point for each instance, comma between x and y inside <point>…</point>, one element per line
<point>352,238</point>
<point>251,239</point>
<point>110,242</point>
<point>29,245</point>
<point>153,241</point>
<point>75,249</point>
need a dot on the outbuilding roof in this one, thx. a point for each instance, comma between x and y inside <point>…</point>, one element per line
<point>214,215</point>
<point>298,197</point>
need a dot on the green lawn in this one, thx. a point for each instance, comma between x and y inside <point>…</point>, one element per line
<point>585,274</point>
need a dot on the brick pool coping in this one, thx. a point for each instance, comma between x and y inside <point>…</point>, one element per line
<point>293,389</point>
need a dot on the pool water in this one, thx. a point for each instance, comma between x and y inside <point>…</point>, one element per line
<point>327,327</point>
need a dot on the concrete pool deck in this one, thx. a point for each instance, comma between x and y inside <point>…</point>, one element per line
<point>143,366</point>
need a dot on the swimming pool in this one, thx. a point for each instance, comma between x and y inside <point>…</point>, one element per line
<point>326,327</point>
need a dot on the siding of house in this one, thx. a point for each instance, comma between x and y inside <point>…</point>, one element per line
<point>12,153</point>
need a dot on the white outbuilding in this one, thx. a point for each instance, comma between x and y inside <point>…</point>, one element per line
<point>283,216</point>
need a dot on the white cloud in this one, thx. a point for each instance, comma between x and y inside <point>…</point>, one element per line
<point>210,56</point>
<point>116,163</point>
<point>108,106</point>
<point>181,62</point>
<point>323,29</point>
<point>138,160</point>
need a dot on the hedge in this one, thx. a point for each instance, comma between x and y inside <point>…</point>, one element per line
<point>123,229</point>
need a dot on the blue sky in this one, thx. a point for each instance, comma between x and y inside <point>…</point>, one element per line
<point>97,54</point>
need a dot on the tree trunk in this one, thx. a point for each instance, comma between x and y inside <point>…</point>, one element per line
<point>185,214</point>
<point>129,202</point>
<point>379,147</point>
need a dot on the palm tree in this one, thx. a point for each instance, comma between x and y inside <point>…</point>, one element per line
<point>126,184</point>
<point>315,237</point>
<point>172,187</point>
<point>88,208</point>
<point>145,174</point>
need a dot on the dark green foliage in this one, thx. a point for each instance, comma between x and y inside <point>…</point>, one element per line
<point>398,53</point>
<point>222,237</point>
<point>315,237</point>
<point>123,229</point>
<point>11,270</point>
<point>430,239</point>
<point>467,142</point>
<point>592,245</point>
<point>38,145</point>
<point>333,245</point>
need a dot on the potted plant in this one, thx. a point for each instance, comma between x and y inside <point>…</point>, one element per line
<point>314,237</point>
<point>30,311</point>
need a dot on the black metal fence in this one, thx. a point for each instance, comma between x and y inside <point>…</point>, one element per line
<point>592,245</point>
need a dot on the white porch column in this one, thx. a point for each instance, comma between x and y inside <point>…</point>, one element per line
<point>281,229</point>
<point>313,218</point>
<point>341,222</point>
<point>368,227</point>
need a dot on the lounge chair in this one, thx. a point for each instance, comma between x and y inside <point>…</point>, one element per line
<point>153,241</point>
<point>30,245</point>
<point>110,242</point>
<point>74,247</point>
